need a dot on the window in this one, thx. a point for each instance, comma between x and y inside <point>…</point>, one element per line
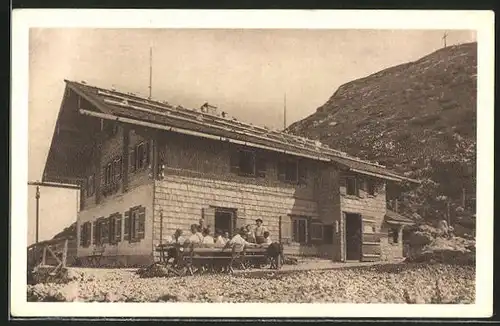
<point>139,157</point>
<point>299,229</point>
<point>136,223</point>
<point>288,171</point>
<point>302,172</point>
<point>328,231</point>
<point>90,185</point>
<point>351,186</point>
<point>247,163</point>
<point>110,128</point>
<point>393,235</point>
<point>316,230</point>
<point>261,167</point>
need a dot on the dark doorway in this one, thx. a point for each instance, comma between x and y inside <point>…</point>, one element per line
<point>353,236</point>
<point>224,220</point>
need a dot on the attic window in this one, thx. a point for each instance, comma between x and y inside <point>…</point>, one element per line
<point>292,171</point>
<point>248,163</point>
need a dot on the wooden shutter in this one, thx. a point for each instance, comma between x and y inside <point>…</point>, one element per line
<point>234,161</point>
<point>111,228</point>
<point>132,160</point>
<point>118,169</point>
<point>208,214</point>
<point>140,222</point>
<point>94,232</point>
<point>126,226</point>
<point>104,230</point>
<point>82,235</point>
<point>343,185</point>
<point>118,228</point>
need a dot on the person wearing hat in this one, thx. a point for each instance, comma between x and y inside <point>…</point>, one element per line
<point>258,232</point>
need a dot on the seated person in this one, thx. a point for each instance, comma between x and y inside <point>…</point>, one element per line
<point>249,234</point>
<point>239,239</point>
<point>226,236</point>
<point>267,238</point>
<point>219,239</point>
<point>207,238</point>
<point>196,236</point>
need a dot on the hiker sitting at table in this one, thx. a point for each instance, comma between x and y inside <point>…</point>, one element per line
<point>196,236</point>
<point>249,234</point>
<point>226,236</point>
<point>239,239</point>
<point>219,239</point>
<point>207,238</point>
<point>267,238</point>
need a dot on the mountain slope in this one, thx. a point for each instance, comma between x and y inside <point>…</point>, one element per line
<point>418,118</point>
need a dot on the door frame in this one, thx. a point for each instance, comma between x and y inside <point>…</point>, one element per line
<point>344,234</point>
<point>232,211</point>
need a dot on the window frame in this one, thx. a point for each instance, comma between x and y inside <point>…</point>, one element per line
<point>315,223</point>
<point>295,221</point>
<point>284,166</point>
<point>356,188</point>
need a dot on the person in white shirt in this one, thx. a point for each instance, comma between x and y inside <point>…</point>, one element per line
<point>239,239</point>
<point>196,236</point>
<point>267,238</point>
<point>219,240</point>
<point>259,231</point>
<point>207,238</point>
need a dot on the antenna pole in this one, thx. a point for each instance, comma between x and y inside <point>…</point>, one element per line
<point>150,70</point>
<point>284,112</point>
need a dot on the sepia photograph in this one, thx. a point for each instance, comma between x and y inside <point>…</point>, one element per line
<point>175,164</point>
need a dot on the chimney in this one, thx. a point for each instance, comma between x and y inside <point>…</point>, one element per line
<point>224,114</point>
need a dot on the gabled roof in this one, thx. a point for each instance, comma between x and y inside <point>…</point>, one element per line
<point>130,108</point>
<point>392,217</point>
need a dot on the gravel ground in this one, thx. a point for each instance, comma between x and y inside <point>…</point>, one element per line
<point>399,283</point>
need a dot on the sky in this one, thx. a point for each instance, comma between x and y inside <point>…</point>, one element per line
<point>243,72</point>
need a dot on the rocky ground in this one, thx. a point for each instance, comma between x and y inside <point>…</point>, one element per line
<point>397,283</point>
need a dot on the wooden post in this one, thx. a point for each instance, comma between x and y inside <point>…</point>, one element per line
<point>279,230</point>
<point>44,255</point>
<point>65,253</point>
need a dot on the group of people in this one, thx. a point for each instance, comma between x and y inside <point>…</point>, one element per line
<point>201,234</point>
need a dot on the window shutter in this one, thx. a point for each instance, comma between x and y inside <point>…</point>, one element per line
<point>132,160</point>
<point>111,226</point>
<point>94,233</point>
<point>141,222</point>
<point>343,185</point>
<point>118,228</point>
<point>82,235</point>
<point>208,214</point>
<point>126,226</point>
<point>118,169</point>
<point>235,162</point>
<point>281,171</point>
<point>105,230</point>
